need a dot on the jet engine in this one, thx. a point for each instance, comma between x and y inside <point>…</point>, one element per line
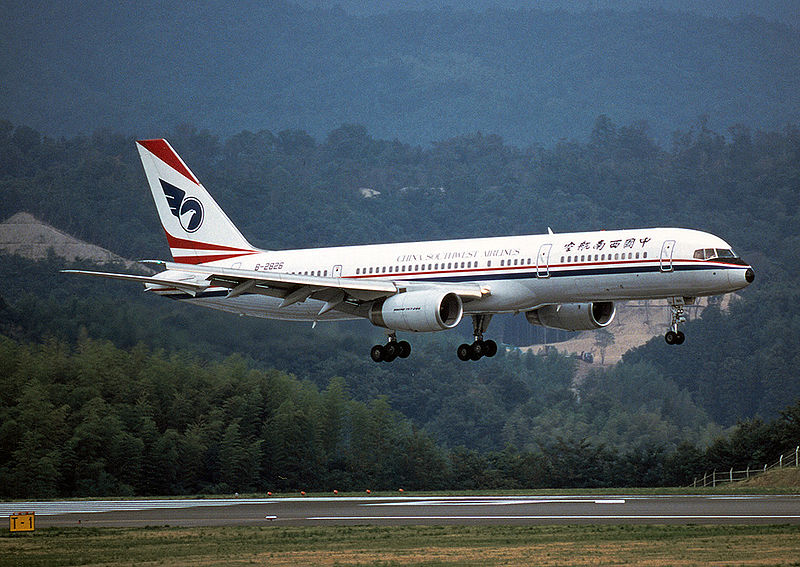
<point>420,311</point>
<point>573,316</point>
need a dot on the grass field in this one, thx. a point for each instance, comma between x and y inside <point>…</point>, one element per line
<point>407,545</point>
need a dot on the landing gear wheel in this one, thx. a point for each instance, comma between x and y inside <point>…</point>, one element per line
<point>405,349</point>
<point>464,352</point>
<point>377,354</point>
<point>671,337</point>
<point>390,351</point>
<point>491,348</point>
<point>478,350</point>
<point>679,338</point>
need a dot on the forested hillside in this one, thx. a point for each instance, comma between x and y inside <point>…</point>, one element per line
<point>534,75</point>
<point>94,420</point>
<point>288,189</point>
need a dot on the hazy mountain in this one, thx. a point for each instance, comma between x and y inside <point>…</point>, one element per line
<point>529,75</point>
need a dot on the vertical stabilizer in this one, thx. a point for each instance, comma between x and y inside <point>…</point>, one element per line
<point>198,230</point>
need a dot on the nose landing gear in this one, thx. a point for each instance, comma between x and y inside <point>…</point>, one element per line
<point>674,336</point>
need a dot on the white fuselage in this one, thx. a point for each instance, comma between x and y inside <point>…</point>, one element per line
<point>518,273</point>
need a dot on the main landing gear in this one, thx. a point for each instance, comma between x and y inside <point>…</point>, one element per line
<point>391,350</point>
<point>674,336</point>
<point>479,348</point>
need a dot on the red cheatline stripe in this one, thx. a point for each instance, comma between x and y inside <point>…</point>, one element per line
<point>162,150</point>
<point>175,242</point>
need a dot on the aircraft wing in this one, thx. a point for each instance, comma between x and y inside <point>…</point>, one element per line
<point>291,288</point>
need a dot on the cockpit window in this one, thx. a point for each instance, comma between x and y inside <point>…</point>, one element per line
<point>711,253</point>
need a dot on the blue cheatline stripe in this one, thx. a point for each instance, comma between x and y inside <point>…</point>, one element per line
<point>559,273</point>
<point>515,275</point>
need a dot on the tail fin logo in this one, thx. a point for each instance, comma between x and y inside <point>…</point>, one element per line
<point>189,210</point>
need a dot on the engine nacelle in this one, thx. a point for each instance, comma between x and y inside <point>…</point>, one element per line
<point>420,311</point>
<point>573,316</point>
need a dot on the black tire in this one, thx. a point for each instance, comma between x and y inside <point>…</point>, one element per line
<point>405,349</point>
<point>491,348</point>
<point>464,352</point>
<point>679,338</point>
<point>477,349</point>
<point>671,337</point>
<point>390,351</point>
<point>377,354</point>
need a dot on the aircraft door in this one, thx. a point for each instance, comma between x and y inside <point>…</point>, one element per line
<point>666,255</point>
<point>543,261</point>
<point>337,271</point>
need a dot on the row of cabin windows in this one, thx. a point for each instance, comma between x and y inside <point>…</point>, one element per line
<point>419,267</point>
<point>455,265</point>
<point>516,262</point>
<point>602,257</point>
<point>321,273</point>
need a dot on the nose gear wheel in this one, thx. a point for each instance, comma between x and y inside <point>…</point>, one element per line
<point>677,316</point>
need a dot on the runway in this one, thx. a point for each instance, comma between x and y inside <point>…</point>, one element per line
<point>410,510</point>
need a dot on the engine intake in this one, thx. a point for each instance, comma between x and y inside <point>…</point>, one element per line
<point>574,316</point>
<point>419,311</point>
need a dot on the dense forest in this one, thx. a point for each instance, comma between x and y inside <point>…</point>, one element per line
<point>95,420</point>
<point>288,189</point>
<point>535,74</point>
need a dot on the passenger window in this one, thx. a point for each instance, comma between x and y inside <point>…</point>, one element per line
<point>489,264</point>
<point>644,254</point>
<point>502,262</point>
<point>358,271</point>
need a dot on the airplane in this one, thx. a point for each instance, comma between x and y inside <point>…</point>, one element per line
<point>567,281</point>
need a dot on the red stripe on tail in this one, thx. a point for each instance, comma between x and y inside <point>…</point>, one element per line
<point>162,150</point>
<point>207,259</point>
<point>175,242</point>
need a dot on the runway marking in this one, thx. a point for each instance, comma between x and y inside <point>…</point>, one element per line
<point>493,502</point>
<point>564,517</point>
